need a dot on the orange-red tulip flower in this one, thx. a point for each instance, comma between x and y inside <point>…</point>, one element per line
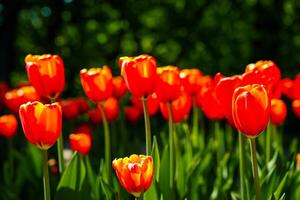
<point>133,113</point>
<point>97,83</point>
<point>111,109</point>
<point>81,142</point>
<point>134,173</point>
<point>139,74</point>
<point>278,111</point>
<point>168,83</point>
<point>46,74</point>
<point>95,116</point>
<point>152,103</point>
<point>82,104</point>
<point>84,128</point>
<point>3,89</point>
<point>224,91</point>
<point>251,109</point>
<point>296,107</point>
<point>191,80</point>
<point>17,97</point>
<point>42,124</point>
<point>8,125</point>
<point>207,83</point>
<point>211,107</point>
<point>70,109</point>
<point>119,87</point>
<point>180,108</point>
<point>286,86</point>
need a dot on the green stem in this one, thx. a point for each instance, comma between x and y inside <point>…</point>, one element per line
<point>268,143</point>
<point>46,176</point>
<point>254,167</point>
<point>147,126</point>
<point>242,166</point>
<point>60,148</point>
<point>195,117</point>
<point>171,143</point>
<point>106,144</point>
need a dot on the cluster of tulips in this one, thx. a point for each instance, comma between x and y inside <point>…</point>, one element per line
<point>249,102</point>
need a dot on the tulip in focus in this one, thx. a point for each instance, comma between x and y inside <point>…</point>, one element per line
<point>139,74</point>
<point>97,83</point>
<point>42,124</point>
<point>8,125</point>
<point>81,142</point>
<point>278,111</point>
<point>46,74</point>
<point>251,109</point>
<point>134,173</point>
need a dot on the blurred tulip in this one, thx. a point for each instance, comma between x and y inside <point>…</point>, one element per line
<point>82,104</point>
<point>278,111</point>
<point>119,87</point>
<point>52,163</point>
<point>95,116</point>
<point>211,107</point>
<point>168,83</point>
<point>139,74</point>
<point>180,108</point>
<point>97,83</point>
<point>133,113</point>
<point>70,109</point>
<point>296,87</point>
<point>16,97</point>
<point>81,142</point>
<point>298,161</point>
<point>3,89</point>
<point>286,86</point>
<point>152,103</point>
<point>84,128</point>
<point>46,74</point>
<point>207,83</point>
<point>42,124</point>
<point>8,125</point>
<point>251,109</point>
<point>134,173</point>
<point>224,91</point>
<point>111,109</point>
<point>296,107</point>
<point>191,80</point>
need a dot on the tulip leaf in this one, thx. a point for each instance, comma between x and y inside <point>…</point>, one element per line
<point>151,194</point>
<point>108,192</point>
<point>164,184</point>
<point>73,183</point>
<point>280,187</point>
<point>156,159</point>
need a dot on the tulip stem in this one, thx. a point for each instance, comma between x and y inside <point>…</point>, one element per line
<point>171,143</point>
<point>147,127</point>
<point>242,166</point>
<point>195,117</point>
<point>254,167</point>
<point>106,144</point>
<point>60,148</point>
<point>268,143</point>
<point>46,176</point>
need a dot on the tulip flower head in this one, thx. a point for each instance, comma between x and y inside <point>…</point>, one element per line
<point>97,83</point>
<point>251,109</point>
<point>42,124</point>
<point>111,109</point>
<point>134,173</point>
<point>278,111</point>
<point>139,74</point>
<point>81,142</point>
<point>191,80</point>
<point>119,87</point>
<point>296,107</point>
<point>168,83</point>
<point>8,125</point>
<point>46,74</point>
<point>133,113</point>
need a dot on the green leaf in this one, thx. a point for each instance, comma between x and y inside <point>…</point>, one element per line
<point>151,194</point>
<point>108,192</point>
<point>156,158</point>
<point>164,184</point>
<point>71,185</point>
<point>280,187</point>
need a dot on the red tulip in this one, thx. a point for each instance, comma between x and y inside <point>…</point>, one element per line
<point>111,109</point>
<point>251,109</point>
<point>97,83</point>
<point>191,80</point>
<point>296,87</point>
<point>46,74</point>
<point>70,109</point>
<point>286,86</point>
<point>224,91</point>
<point>81,142</point>
<point>16,97</point>
<point>133,113</point>
<point>8,125</point>
<point>278,111</point>
<point>42,124</point>
<point>119,87</point>
<point>152,103</point>
<point>211,107</point>
<point>95,116</point>
<point>296,107</point>
<point>168,83</point>
<point>82,104</point>
<point>139,74</point>
<point>207,83</point>
<point>84,128</point>
<point>134,173</point>
<point>3,89</point>
<point>180,108</point>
